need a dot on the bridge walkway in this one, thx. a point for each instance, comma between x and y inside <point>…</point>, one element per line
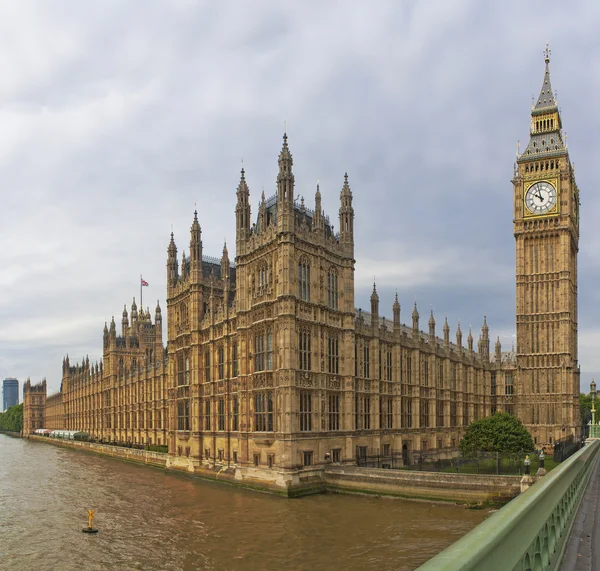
<point>583,546</point>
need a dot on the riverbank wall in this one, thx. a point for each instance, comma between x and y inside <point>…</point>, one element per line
<point>430,486</point>
<point>433,486</point>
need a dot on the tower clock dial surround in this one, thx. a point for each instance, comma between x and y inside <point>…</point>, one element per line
<point>540,197</point>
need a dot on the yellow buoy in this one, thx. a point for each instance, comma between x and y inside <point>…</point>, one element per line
<point>90,528</point>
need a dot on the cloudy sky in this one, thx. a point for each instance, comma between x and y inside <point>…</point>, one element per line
<point>116,118</point>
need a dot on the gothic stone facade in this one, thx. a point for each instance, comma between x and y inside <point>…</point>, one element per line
<point>270,371</point>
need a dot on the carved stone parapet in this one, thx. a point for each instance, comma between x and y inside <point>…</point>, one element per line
<point>262,380</point>
<point>305,379</point>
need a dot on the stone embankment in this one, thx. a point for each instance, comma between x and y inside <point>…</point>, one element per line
<point>431,486</point>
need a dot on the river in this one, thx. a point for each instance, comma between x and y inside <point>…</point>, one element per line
<point>153,520</point>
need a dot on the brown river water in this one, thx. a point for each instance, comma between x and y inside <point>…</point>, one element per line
<point>151,519</point>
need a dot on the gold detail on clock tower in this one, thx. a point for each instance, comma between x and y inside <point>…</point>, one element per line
<point>546,227</point>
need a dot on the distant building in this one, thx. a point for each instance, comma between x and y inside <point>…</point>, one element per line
<point>10,393</point>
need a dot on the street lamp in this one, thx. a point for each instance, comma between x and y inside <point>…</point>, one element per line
<point>593,427</point>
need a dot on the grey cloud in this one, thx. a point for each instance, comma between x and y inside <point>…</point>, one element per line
<point>116,121</point>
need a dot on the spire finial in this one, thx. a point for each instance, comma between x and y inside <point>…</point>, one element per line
<point>547,53</point>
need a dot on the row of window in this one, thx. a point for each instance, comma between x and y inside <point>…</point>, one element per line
<point>263,361</point>
<point>264,411</point>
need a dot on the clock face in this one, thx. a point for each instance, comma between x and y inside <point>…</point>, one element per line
<point>540,197</point>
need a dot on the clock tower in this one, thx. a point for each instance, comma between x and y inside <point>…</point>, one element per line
<point>546,227</point>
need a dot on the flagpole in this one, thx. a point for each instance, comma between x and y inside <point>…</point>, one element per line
<point>141,300</point>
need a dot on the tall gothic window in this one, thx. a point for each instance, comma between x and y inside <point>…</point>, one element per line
<point>426,372</point>
<point>332,289</point>
<point>221,413</point>
<point>221,363</point>
<point>493,384</point>
<point>439,410</point>
<point>334,412</point>
<point>509,384</point>
<point>366,367</point>
<point>305,411</point>
<point>207,365</point>
<point>263,412</point>
<point>180,368</point>
<point>236,413</point>
<point>388,364</point>
<point>263,351</point>
<point>304,280</point>
<point>406,412</point>
<point>263,277</point>
<point>424,409</point>
<point>385,412</point>
<point>305,350</point>
<point>183,414</point>
<point>333,358</point>
<point>362,412</point>
<point>207,415</point>
<point>235,359</point>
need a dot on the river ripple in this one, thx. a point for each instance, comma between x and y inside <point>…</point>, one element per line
<point>153,520</point>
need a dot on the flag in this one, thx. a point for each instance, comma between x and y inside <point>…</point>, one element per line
<point>144,282</point>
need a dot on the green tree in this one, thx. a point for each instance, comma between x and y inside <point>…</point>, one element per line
<point>501,433</point>
<point>12,419</point>
<point>585,406</point>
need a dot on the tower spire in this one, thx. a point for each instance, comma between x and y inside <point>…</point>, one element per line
<point>546,140</point>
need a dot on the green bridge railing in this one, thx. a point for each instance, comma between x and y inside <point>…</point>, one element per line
<point>530,532</point>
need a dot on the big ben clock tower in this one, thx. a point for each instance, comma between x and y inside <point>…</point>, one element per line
<point>546,226</point>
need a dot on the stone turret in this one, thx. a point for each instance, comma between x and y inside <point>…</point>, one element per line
<point>346,215</point>
<point>484,343</point>
<point>285,189</point>
<point>172,273</point>
<point>318,218</point>
<point>124,322</point>
<point>374,308</point>
<point>446,334</point>
<point>242,211</point>
<point>396,313</point>
<point>431,327</point>
<point>134,313</point>
<point>498,351</point>
<point>195,250</point>
<point>415,321</point>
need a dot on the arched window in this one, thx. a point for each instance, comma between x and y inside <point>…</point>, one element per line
<point>183,314</point>
<point>332,289</point>
<point>263,277</point>
<point>304,279</point>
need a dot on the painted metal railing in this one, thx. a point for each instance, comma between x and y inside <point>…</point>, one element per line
<point>530,532</point>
